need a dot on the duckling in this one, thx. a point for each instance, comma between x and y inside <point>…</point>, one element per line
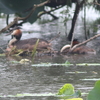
<point>27,44</point>
<point>78,50</point>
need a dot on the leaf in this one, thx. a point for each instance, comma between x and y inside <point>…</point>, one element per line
<point>35,47</point>
<point>67,89</point>
<point>67,62</point>
<point>13,6</point>
<point>21,7</point>
<point>94,94</point>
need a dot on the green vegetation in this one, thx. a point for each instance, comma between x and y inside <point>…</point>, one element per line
<point>34,50</point>
<point>66,64</point>
<point>66,92</point>
<point>20,8</point>
<point>94,94</point>
<point>34,9</point>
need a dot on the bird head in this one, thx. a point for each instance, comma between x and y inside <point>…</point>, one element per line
<point>16,33</point>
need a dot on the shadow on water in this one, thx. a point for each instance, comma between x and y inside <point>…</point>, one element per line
<point>23,78</point>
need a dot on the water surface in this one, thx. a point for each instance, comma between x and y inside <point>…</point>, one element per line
<point>18,78</point>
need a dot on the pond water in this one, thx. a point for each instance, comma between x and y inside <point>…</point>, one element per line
<point>24,78</point>
<point>18,78</point>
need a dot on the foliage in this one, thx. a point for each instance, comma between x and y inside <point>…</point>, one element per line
<point>35,47</point>
<point>21,7</point>
<point>67,91</point>
<point>94,94</point>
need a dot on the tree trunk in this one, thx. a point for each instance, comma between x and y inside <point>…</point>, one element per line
<point>77,9</point>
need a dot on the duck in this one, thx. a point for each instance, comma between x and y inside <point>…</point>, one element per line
<point>27,44</point>
<point>78,50</point>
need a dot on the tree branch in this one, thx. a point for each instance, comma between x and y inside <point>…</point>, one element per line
<point>77,9</point>
<point>71,49</point>
<point>15,21</point>
<point>35,6</point>
<point>49,12</point>
<point>96,3</point>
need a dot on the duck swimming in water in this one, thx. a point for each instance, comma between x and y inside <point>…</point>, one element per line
<point>78,50</point>
<point>27,44</point>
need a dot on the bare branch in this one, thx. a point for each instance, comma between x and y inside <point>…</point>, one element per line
<point>96,3</point>
<point>33,9</point>
<point>71,49</point>
<point>35,6</point>
<point>48,12</point>
<point>15,21</point>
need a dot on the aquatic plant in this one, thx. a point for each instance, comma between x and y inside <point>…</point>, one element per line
<point>34,50</point>
<point>66,92</point>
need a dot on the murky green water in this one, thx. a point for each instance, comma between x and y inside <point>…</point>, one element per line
<point>24,78</point>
